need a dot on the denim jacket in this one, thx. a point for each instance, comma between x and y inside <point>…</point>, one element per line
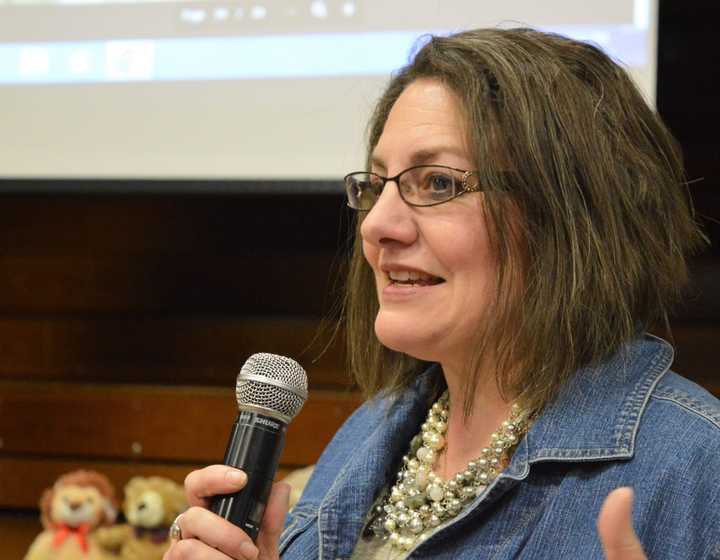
<point>627,422</point>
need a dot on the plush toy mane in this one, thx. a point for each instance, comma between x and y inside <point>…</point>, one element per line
<point>83,479</point>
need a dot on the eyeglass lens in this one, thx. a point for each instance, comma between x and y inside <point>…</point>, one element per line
<point>419,186</point>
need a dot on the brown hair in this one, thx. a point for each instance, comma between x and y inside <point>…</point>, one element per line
<point>562,138</point>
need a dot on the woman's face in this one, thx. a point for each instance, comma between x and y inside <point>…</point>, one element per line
<point>434,268</point>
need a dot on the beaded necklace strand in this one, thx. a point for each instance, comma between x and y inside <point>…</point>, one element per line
<point>420,500</point>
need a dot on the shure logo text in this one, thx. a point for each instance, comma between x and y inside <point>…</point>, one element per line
<point>267,422</point>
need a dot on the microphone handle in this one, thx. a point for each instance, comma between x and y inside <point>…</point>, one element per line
<point>255,446</point>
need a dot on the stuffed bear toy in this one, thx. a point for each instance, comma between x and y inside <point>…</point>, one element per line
<point>71,511</point>
<point>151,504</point>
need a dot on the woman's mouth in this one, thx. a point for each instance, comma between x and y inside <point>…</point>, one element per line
<point>413,278</point>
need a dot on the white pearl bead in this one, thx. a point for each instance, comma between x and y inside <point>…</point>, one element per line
<point>421,453</point>
<point>422,479</point>
<point>435,492</point>
<point>390,525</point>
<point>426,455</point>
<point>436,441</point>
<point>416,526</point>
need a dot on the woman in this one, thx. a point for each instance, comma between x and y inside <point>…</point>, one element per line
<point>523,223</point>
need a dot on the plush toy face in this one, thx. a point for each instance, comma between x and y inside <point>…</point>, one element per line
<point>76,505</point>
<point>153,502</point>
<point>146,510</point>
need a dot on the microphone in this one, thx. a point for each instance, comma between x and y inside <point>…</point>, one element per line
<point>270,391</point>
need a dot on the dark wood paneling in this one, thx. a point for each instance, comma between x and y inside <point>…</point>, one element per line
<point>177,424</point>
<point>48,224</point>
<point>18,529</point>
<point>280,283</point>
<point>163,350</point>
<point>696,353</point>
<point>221,255</point>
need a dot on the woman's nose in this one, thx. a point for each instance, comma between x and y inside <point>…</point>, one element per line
<point>390,220</point>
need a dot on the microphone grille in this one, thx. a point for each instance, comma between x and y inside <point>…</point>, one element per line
<point>275,383</point>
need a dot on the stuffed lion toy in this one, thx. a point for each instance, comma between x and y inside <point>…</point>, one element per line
<point>71,511</point>
<point>151,504</point>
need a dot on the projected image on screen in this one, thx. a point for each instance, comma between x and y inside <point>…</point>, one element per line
<point>239,89</point>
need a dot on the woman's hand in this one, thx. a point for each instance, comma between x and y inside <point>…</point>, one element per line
<point>617,535</point>
<point>206,536</point>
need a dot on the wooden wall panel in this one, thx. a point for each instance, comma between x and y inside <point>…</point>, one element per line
<point>217,284</point>
<point>189,350</point>
<point>697,346</point>
<point>169,424</point>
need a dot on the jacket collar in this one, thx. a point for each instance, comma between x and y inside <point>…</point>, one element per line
<point>597,414</point>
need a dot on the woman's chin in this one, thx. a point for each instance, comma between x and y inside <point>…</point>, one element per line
<point>405,336</point>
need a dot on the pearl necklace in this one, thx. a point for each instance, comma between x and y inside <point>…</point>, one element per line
<point>420,500</point>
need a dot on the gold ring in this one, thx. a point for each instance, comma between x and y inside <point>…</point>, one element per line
<point>175,531</point>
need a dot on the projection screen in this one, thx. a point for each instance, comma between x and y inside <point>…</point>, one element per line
<point>239,89</point>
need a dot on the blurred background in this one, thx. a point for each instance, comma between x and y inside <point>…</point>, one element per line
<point>170,203</point>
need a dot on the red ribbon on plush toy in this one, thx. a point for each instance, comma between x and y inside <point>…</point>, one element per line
<point>62,532</point>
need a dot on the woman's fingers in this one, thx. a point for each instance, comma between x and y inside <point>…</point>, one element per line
<point>202,484</point>
<point>193,549</point>
<point>617,535</point>
<point>208,536</point>
<point>273,520</point>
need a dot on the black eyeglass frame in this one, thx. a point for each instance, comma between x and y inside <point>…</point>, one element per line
<point>464,188</point>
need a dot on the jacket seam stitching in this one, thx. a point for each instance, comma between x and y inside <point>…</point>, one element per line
<point>691,405</point>
<point>638,399</point>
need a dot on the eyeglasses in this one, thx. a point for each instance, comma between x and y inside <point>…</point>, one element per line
<point>421,185</point>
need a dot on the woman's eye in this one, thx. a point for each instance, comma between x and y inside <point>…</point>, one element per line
<point>439,184</point>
